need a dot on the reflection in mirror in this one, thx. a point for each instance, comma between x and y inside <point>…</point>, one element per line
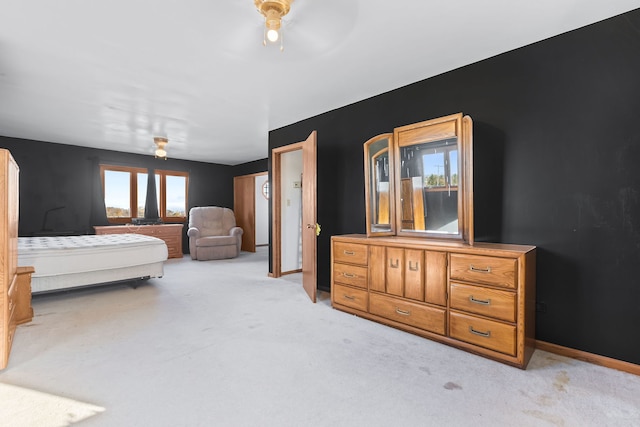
<point>434,178</point>
<point>379,185</point>
<point>380,195</point>
<point>429,186</point>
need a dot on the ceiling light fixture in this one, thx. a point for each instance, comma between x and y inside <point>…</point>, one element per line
<point>161,153</point>
<point>273,11</point>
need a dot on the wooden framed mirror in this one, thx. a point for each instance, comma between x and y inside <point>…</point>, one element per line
<point>379,185</point>
<point>434,178</point>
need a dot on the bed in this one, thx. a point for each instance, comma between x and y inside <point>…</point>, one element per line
<point>64,262</point>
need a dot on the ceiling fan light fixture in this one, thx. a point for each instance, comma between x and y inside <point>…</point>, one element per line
<point>160,152</point>
<point>273,35</point>
<point>273,11</point>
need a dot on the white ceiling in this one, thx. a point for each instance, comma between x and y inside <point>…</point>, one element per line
<point>115,73</point>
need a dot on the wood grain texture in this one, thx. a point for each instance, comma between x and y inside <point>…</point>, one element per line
<point>488,302</point>
<point>435,272</point>
<point>370,188</point>
<point>395,271</point>
<point>377,268</point>
<point>348,274</point>
<point>414,274</point>
<point>309,216</point>
<point>351,253</point>
<point>484,269</point>
<point>419,315</point>
<point>10,294</point>
<point>483,332</point>
<point>354,298</point>
<point>487,319</point>
<point>244,209</point>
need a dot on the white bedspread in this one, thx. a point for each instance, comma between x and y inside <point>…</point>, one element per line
<point>80,260</point>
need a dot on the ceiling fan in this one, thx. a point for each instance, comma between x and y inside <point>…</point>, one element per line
<point>310,27</point>
<point>273,12</point>
<point>161,152</point>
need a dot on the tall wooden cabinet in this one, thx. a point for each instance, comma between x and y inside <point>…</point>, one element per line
<point>15,283</point>
<point>478,298</point>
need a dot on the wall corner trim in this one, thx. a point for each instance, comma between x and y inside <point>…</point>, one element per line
<point>596,359</point>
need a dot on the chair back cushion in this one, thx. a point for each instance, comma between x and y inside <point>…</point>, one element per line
<point>212,220</point>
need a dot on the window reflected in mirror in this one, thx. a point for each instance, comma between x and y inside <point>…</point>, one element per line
<point>429,186</point>
<point>434,178</point>
<point>419,180</point>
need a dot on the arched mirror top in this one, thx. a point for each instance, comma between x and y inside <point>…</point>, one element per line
<point>434,179</point>
<point>379,186</point>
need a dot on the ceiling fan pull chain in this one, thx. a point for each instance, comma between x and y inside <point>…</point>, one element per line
<point>281,39</point>
<point>264,33</point>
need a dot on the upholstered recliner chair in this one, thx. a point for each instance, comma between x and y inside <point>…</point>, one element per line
<point>213,233</point>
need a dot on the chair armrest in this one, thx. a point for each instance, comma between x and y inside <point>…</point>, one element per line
<point>193,232</point>
<point>236,231</point>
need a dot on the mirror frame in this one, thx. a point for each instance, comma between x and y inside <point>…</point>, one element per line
<point>370,186</point>
<point>460,127</point>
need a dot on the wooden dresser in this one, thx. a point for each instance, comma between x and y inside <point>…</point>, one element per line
<point>15,282</point>
<point>478,298</point>
<point>170,233</point>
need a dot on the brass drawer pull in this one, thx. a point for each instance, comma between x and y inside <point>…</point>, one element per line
<point>479,301</point>
<point>482,334</point>
<point>479,270</point>
<point>349,297</point>
<point>349,275</point>
<point>349,253</point>
<point>392,265</point>
<point>403,312</point>
<point>412,268</point>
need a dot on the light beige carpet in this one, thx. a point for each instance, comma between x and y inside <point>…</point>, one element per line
<point>22,407</point>
<point>218,343</point>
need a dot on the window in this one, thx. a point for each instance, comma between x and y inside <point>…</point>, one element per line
<point>440,168</point>
<point>173,185</point>
<point>125,193</point>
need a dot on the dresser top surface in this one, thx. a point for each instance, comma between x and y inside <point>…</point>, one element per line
<point>442,245</point>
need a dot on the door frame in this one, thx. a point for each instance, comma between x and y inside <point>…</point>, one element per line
<point>276,206</point>
<point>248,244</point>
<point>309,226</point>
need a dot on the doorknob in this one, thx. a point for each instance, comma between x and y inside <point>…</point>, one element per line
<point>317,227</point>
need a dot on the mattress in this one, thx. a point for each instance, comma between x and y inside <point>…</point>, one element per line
<point>70,261</point>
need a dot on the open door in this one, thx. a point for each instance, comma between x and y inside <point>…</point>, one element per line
<point>309,216</point>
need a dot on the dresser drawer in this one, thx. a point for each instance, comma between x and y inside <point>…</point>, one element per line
<point>350,275</point>
<point>352,253</point>
<point>484,269</point>
<point>485,301</point>
<point>413,314</point>
<point>350,297</point>
<point>485,333</point>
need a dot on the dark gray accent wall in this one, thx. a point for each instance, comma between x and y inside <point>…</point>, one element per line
<point>55,175</point>
<point>557,149</point>
<point>249,168</point>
